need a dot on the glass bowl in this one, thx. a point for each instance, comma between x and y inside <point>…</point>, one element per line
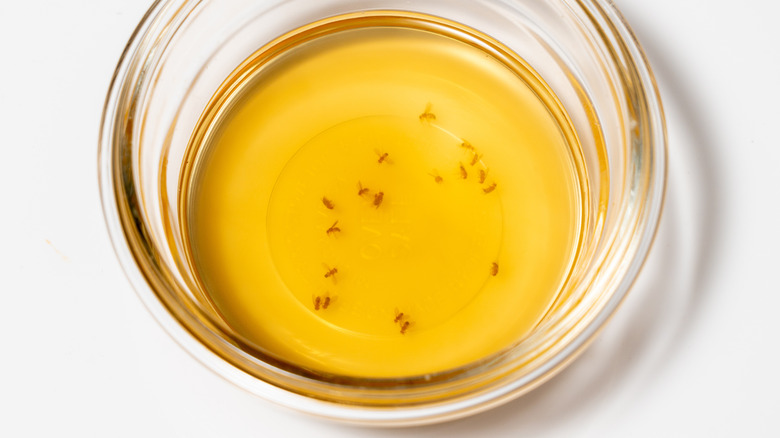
<point>182,51</point>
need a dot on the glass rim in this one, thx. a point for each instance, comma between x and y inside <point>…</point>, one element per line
<point>601,11</point>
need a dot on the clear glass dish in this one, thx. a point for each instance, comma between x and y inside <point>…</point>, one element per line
<point>180,54</point>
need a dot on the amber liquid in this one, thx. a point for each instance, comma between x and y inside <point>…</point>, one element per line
<point>383,196</point>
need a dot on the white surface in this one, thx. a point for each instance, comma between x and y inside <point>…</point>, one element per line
<point>693,352</point>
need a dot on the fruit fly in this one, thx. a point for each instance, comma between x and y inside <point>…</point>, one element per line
<point>362,190</point>
<point>437,177</point>
<point>382,157</point>
<point>399,316</point>
<point>333,229</point>
<point>326,301</point>
<point>427,115</point>
<point>482,176</point>
<point>378,198</point>
<point>405,327</point>
<point>475,158</point>
<point>466,145</point>
<point>489,188</point>
<point>328,203</point>
<point>317,301</point>
<point>331,272</point>
<point>494,269</point>
<point>463,173</point>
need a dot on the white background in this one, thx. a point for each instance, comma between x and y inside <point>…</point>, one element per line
<point>693,352</point>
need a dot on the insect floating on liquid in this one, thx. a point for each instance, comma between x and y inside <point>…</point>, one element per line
<point>331,272</point>
<point>333,229</point>
<point>362,190</point>
<point>482,176</point>
<point>489,188</point>
<point>378,198</point>
<point>382,157</point>
<point>399,316</point>
<point>494,269</point>
<point>317,301</point>
<point>468,146</point>
<point>326,301</point>
<point>427,115</point>
<point>328,203</point>
<point>463,173</point>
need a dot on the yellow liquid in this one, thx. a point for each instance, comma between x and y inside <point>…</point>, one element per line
<point>405,284</point>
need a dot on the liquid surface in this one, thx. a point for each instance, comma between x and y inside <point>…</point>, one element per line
<point>382,201</point>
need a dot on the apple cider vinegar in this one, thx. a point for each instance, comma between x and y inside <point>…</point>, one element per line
<point>383,195</point>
